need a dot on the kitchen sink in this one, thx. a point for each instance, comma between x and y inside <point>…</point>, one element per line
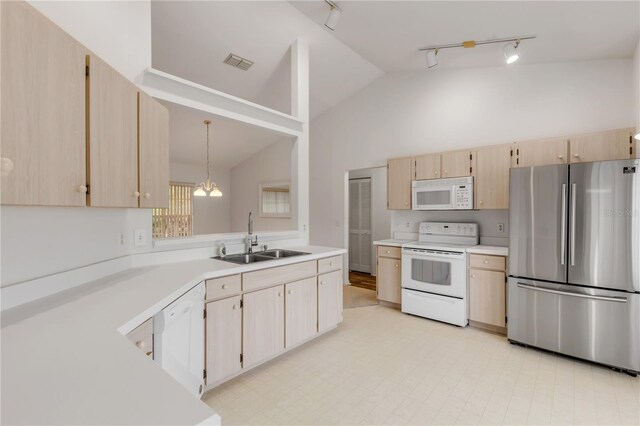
<point>246,258</point>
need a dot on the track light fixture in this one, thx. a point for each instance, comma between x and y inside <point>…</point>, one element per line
<point>510,50</point>
<point>334,15</point>
<point>432,58</point>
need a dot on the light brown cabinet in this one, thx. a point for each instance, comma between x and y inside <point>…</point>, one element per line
<point>456,164</point>
<point>329,300</point>
<point>263,324</point>
<point>399,177</point>
<point>491,184</point>
<point>153,152</point>
<point>427,167</point>
<point>113,137</point>
<point>389,273</point>
<point>42,110</point>
<point>487,291</point>
<point>612,145</point>
<point>301,312</point>
<point>541,153</point>
<point>223,331</point>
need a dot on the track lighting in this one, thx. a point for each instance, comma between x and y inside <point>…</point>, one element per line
<point>511,52</point>
<point>334,16</point>
<point>432,58</point>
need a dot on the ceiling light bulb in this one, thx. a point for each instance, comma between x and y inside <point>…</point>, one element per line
<point>215,192</point>
<point>432,58</point>
<point>333,18</point>
<point>199,192</point>
<point>511,53</point>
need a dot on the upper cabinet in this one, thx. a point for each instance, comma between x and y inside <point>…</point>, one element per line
<point>153,152</point>
<point>612,145</point>
<point>491,184</point>
<point>540,153</point>
<point>427,167</point>
<point>113,137</point>
<point>399,177</point>
<point>456,164</point>
<point>42,110</point>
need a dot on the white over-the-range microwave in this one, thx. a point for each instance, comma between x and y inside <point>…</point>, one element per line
<point>442,194</point>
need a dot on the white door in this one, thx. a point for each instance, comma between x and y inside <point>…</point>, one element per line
<point>360,225</point>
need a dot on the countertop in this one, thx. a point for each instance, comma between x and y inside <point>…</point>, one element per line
<point>66,360</point>
<point>492,250</point>
<point>392,242</point>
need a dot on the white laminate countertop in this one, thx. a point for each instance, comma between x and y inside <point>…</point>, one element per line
<point>70,363</point>
<point>492,250</point>
<point>392,242</point>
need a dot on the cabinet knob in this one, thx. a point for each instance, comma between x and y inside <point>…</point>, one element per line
<point>388,251</point>
<point>406,203</point>
<point>396,265</point>
<point>559,157</point>
<point>235,307</point>
<point>6,166</point>
<point>150,354</point>
<point>136,194</point>
<point>435,173</point>
<point>473,276</point>
<point>289,292</point>
<point>224,286</point>
<point>279,294</point>
<point>140,344</point>
<point>576,155</point>
<point>481,202</point>
<point>445,172</point>
<point>486,262</point>
<point>147,195</point>
<point>82,189</point>
<point>321,282</point>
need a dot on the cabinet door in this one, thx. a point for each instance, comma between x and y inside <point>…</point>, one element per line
<point>223,338</point>
<point>113,137</point>
<point>399,178</point>
<point>153,161</point>
<point>491,184</point>
<point>388,279</point>
<point>541,153</point>
<point>427,166</point>
<point>329,300</point>
<point>456,164</point>
<point>42,110</point>
<point>613,145</point>
<point>263,324</point>
<point>142,337</point>
<point>487,297</point>
<point>301,311</point>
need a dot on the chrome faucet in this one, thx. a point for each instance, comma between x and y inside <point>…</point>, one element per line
<point>250,241</point>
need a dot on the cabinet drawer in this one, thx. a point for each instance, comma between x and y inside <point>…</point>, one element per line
<point>497,263</point>
<point>218,288</point>
<point>329,264</point>
<point>280,275</point>
<point>142,337</point>
<point>388,251</point>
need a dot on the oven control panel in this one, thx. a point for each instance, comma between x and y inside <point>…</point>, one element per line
<point>440,228</point>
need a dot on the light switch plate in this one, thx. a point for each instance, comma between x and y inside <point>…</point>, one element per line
<point>140,237</point>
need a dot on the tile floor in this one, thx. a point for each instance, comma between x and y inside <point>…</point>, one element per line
<point>383,367</point>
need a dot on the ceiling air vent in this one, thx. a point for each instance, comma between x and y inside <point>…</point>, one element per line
<point>238,62</point>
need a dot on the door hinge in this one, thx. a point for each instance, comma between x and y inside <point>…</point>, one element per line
<point>241,358</point>
<point>470,169</point>
<point>88,189</point>
<point>470,156</point>
<point>241,303</point>
<point>204,374</point>
<point>512,152</point>
<point>86,71</point>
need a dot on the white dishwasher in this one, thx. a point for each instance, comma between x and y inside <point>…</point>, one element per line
<point>178,344</point>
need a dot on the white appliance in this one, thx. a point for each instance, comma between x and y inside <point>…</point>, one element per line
<point>178,344</point>
<point>434,271</point>
<point>442,194</point>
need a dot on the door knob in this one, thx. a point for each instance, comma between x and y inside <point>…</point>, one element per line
<point>82,189</point>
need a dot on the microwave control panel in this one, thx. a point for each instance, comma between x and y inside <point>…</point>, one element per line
<point>464,197</point>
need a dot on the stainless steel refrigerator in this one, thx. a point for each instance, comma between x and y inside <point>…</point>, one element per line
<point>574,260</point>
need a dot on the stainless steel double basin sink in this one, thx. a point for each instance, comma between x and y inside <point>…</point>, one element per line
<point>247,258</point>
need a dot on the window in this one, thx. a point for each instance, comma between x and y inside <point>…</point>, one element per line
<point>275,200</point>
<point>177,220</point>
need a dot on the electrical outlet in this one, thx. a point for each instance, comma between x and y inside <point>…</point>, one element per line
<point>501,227</point>
<point>408,225</point>
<point>140,237</point>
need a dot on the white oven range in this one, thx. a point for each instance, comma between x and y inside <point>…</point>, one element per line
<point>434,271</point>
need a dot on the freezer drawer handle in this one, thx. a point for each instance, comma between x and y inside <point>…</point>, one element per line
<point>568,293</point>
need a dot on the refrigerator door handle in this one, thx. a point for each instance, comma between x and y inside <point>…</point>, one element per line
<point>572,248</point>
<point>563,238</point>
<point>568,293</point>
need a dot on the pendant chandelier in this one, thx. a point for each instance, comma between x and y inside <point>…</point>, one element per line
<point>207,187</point>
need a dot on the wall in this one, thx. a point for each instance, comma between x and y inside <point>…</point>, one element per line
<point>636,83</point>
<point>117,31</point>
<point>272,164</point>
<point>443,109</point>
<point>380,216</point>
<point>210,214</point>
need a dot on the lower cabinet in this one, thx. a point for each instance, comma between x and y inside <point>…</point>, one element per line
<point>487,291</point>
<point>389,273</point>
<point>263,324</point>
<point>301,312</point>
<point>223,338</point>
<point>329,300</point>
